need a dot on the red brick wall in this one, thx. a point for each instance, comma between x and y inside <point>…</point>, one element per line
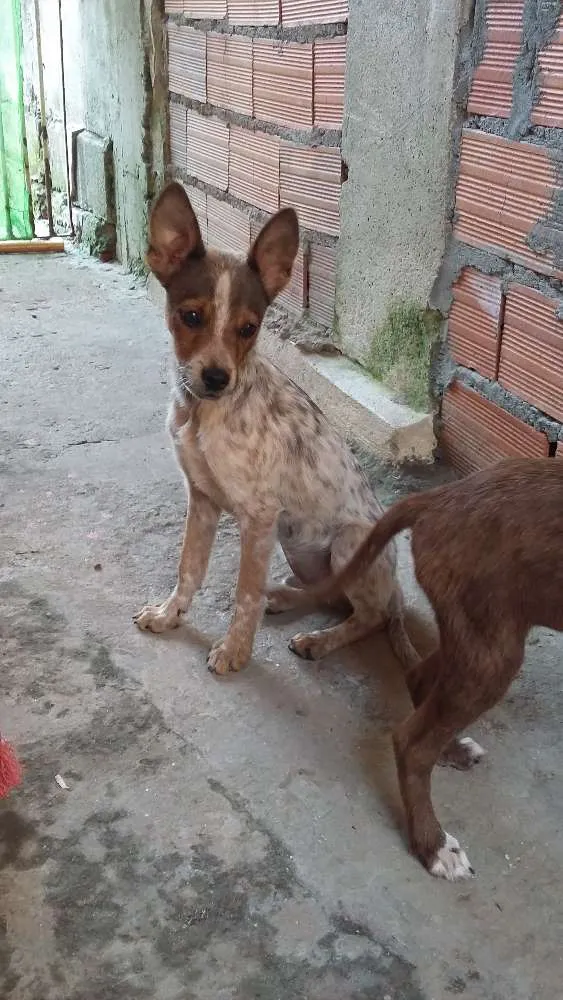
<point>505,327</point>
<point>255,124</point>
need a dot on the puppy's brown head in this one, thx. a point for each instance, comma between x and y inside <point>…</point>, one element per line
<point>215,303</point>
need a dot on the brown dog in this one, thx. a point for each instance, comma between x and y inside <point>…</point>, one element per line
<point>488,552</point>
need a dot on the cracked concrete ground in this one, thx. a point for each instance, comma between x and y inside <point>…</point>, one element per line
<point>220,839</point>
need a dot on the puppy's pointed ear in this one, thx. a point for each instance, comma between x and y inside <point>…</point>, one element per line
<point>274,251</point>
<point>174,233</point>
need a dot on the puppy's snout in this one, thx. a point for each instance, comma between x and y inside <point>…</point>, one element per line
<point>215,379</point>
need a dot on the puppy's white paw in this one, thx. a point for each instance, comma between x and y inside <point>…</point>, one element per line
<point>228,655</point>
<point>450,862</point>
<point>159,617</point>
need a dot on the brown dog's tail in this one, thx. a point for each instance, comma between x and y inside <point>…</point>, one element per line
<point>401,515</point>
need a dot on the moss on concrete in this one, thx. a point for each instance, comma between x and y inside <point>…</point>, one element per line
<point>138,267</point>
<point>400,352</point>
<point>95,235</point>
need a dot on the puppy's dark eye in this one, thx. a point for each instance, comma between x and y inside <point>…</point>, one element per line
<point>191,318</point>
<point>247,331</point>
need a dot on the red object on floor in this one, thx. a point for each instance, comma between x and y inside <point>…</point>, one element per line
<point>10,771</point>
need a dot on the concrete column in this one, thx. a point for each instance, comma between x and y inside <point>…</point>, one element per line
<point>398,149</point>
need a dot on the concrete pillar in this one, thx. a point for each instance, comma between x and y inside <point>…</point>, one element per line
<point>397,146</point>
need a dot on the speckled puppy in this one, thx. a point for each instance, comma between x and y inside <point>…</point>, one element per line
<point>251,442</point>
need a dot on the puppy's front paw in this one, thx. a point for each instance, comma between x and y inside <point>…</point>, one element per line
<point>226,655</point>
<point>159,617</point>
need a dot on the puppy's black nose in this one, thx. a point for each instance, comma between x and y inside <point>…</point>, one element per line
<point>214,379</point>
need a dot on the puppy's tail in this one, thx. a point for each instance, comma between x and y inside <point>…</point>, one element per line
<point>401,515</point>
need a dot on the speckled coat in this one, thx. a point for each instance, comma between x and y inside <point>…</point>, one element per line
<point>251,442</point>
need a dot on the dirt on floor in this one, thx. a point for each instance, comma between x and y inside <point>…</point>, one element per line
<point>236,839</point>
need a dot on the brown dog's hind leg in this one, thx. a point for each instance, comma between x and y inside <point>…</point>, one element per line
<point>462,752</point>
<point>418,743</point>
<point>460,694</point>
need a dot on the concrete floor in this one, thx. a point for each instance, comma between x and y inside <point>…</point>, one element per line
<point>220,839</point>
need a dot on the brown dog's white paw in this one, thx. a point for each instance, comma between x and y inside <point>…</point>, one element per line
<point>462,754</point>
<point>226,656</point>
<point>308,645</point>
<point>450,861</point>
<point>159,617</point>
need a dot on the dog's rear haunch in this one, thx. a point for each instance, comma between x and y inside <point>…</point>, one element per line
<point>488,552</point>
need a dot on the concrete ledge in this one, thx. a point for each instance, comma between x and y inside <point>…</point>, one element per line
<point>355,403</point>
<point>362,409</point>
